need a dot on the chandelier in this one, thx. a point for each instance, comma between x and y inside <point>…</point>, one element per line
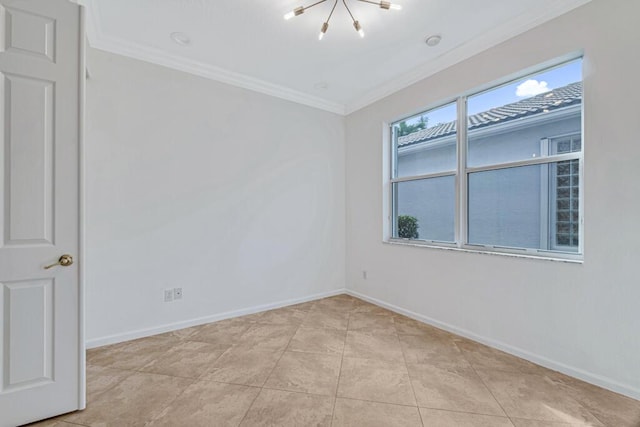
<point>325,26</point>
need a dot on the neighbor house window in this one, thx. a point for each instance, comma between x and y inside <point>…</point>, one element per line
<point>509,181</point>
<point>565,195</point>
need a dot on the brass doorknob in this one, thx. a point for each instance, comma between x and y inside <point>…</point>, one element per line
<point>65,261</point>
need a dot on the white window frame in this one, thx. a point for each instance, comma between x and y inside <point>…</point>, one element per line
<point>393,181</point>
<point>462,177</point>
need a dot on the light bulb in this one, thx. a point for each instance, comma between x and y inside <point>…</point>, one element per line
<point>388,5</point>
<point>358,28</point>
<point>295,12</point>
<point>323,30</point>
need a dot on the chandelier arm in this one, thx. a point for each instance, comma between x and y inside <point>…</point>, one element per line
<point>349,10</point>
<point>314,4</point>
<point>332,9</point>
<point>384,4</point>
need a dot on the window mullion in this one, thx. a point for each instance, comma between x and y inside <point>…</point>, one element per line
<point>393,202</point>
<point>529,162</point>
<point>581,205</point>
<point>425,176</point>
<point>461,174</point>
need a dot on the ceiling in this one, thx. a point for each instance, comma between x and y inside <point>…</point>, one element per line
<point>247,43</point>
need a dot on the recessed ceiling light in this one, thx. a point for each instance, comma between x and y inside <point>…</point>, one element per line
<point>433,40</point>
<point>180,38</point>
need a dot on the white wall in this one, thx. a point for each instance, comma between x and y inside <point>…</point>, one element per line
<point>581,318</point>
<point>235,196</point>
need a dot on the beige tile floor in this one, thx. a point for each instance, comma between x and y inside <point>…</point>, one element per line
<point>333,362</point>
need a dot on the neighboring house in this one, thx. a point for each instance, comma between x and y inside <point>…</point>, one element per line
<point>529,207</point>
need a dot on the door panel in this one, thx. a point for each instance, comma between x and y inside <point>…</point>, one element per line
<point>41,361</point>
<point>30,33</point>
<point>29,361</point>
<point>28,145</point>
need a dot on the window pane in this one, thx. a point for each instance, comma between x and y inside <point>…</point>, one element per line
<point>564,185</point>
<point>513,122</point>
<point>426,143</point>
<point>533,207</point>
<point>430,205</point>
<point>566,144</point>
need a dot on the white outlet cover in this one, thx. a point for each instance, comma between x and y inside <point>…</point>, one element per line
<point>168,295</point>
<point>177,293</point>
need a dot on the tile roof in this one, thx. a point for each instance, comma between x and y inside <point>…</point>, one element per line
<point>543,103</point>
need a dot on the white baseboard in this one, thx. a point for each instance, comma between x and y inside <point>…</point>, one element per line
<point>141,333</point>
<point>589,377</point>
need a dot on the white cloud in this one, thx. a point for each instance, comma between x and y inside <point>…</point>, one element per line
<point>531,88</point>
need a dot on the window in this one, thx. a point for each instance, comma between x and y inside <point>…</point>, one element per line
<point>509,181</point>
<point>424,172</point>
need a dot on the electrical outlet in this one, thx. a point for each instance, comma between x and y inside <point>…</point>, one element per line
<point>364,274</point>
<point>168,295</point>
<point>177,293</point>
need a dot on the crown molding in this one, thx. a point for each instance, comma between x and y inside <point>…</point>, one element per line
<point>147,54</point>
<point>500,34</point>
<point>99,40</point>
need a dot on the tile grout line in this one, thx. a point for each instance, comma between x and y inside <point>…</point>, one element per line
<point>181,340</point>
<point>250,406</point>
<point>138,371</point>
<point>500,404</point>
<point>294,391</point>
<point>358,399</point>
<point>270,373</point>
<point>580,403</point>
<point>153,415</point>
<point>482,414</point>
<point>208,370</point>
<point>75,424</point>
<point>335,398</point>
<point>131,372</point>
<point>406,367</point>
<point>483,382</point>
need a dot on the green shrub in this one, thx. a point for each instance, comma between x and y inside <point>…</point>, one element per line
<point>407,227</point>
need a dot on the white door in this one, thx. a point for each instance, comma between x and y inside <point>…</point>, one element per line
<point>41,350</point>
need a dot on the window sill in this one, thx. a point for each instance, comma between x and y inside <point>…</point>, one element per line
<point>427,245</point>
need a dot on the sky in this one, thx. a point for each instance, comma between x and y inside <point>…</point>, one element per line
<point>517,90</point>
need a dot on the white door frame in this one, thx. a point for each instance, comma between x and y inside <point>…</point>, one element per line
<point>82,82</point>
<point>82,73</point>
